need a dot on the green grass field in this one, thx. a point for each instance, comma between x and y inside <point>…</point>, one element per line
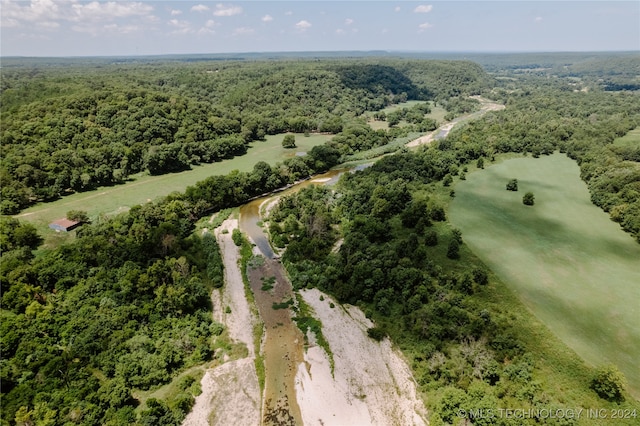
<point>437,113</point>
<point>630,139</point>
<point>143,188</point>
<point>574,268</point>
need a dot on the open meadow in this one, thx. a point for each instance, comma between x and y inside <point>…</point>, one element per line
<point>143,187</point>
<point>630,139</point>
<point>574,268</point>
<point>437,113</point>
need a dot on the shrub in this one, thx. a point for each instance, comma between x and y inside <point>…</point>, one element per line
<point>236,236</point>
<point>512,185</point>
<point>431,238</point>
<point>453,252</point>
<point>528,199</point>
<point>289,141</point>
<point>608,383</point>
<point>78,216</point>
<point>376,333</point>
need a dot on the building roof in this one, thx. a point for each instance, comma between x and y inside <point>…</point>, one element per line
<point>64,224</point>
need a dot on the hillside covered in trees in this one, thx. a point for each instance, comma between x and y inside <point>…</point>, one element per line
<point>76,128</point>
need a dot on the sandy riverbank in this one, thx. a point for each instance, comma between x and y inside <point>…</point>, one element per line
<point>443,131</point>
<point>371,385</point>
<point>230,392</point>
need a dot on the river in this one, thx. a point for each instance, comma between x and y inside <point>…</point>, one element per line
<point>283,341</point>
<point>282,344</point>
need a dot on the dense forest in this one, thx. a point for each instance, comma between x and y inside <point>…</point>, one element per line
<point>124,307</point>
<point>74,129</point>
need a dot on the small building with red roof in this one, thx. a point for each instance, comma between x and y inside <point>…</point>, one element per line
<point>64,225</point>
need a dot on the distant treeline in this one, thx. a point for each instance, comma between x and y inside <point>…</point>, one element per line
<point>74,129</point>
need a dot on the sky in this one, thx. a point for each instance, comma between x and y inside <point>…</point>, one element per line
<point>114,28</point>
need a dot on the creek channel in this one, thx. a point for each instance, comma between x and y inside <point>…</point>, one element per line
<point>283,343</point>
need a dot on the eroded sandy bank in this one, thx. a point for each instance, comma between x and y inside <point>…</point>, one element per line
<point>371,385</point>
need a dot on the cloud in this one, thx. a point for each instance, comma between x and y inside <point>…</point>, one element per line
<point>208,27</point>
<point>199,8</point>
<point>91,18</point>
<point>288,13</point>
<point>303,25</point>
<point>176,12</point>
<point>6,22</point>
<point>267,18</point>
<point>424,27</point>
<point>339,31</point>
<point>222,10</point>
<point>180,26</point>
<point>397,9</point>
<point>423,8</point>
<point>242,31</point>
<point>537,19</point>
<point>110,29</point>
<point>348,21</point>
<point>39,12</point>
<point>48,25</point>
<point>96,11</point>
<point>121,29</point>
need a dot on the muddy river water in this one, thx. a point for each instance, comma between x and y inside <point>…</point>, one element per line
<point>283,343</point>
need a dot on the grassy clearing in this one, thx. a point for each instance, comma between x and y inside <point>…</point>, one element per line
<point>170,390</point>
<point>573,267</point>
<point>437,113</point>
<point>143,188</point>
<point>630,139</point>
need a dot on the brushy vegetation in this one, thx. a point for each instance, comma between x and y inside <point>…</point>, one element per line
<point>307,323</point>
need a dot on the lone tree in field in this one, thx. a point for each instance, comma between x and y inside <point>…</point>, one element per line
<point>453,251</point>
<point>608,383</point>
<point>528,199</point>
<point>512,185</point>
<point>289,141</point>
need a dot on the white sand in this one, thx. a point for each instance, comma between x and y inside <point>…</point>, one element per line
<point>230,392</point>
<point>371,384</point>
<point>240,321</point>
<point>487,106</point>
<point>230,396</point>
